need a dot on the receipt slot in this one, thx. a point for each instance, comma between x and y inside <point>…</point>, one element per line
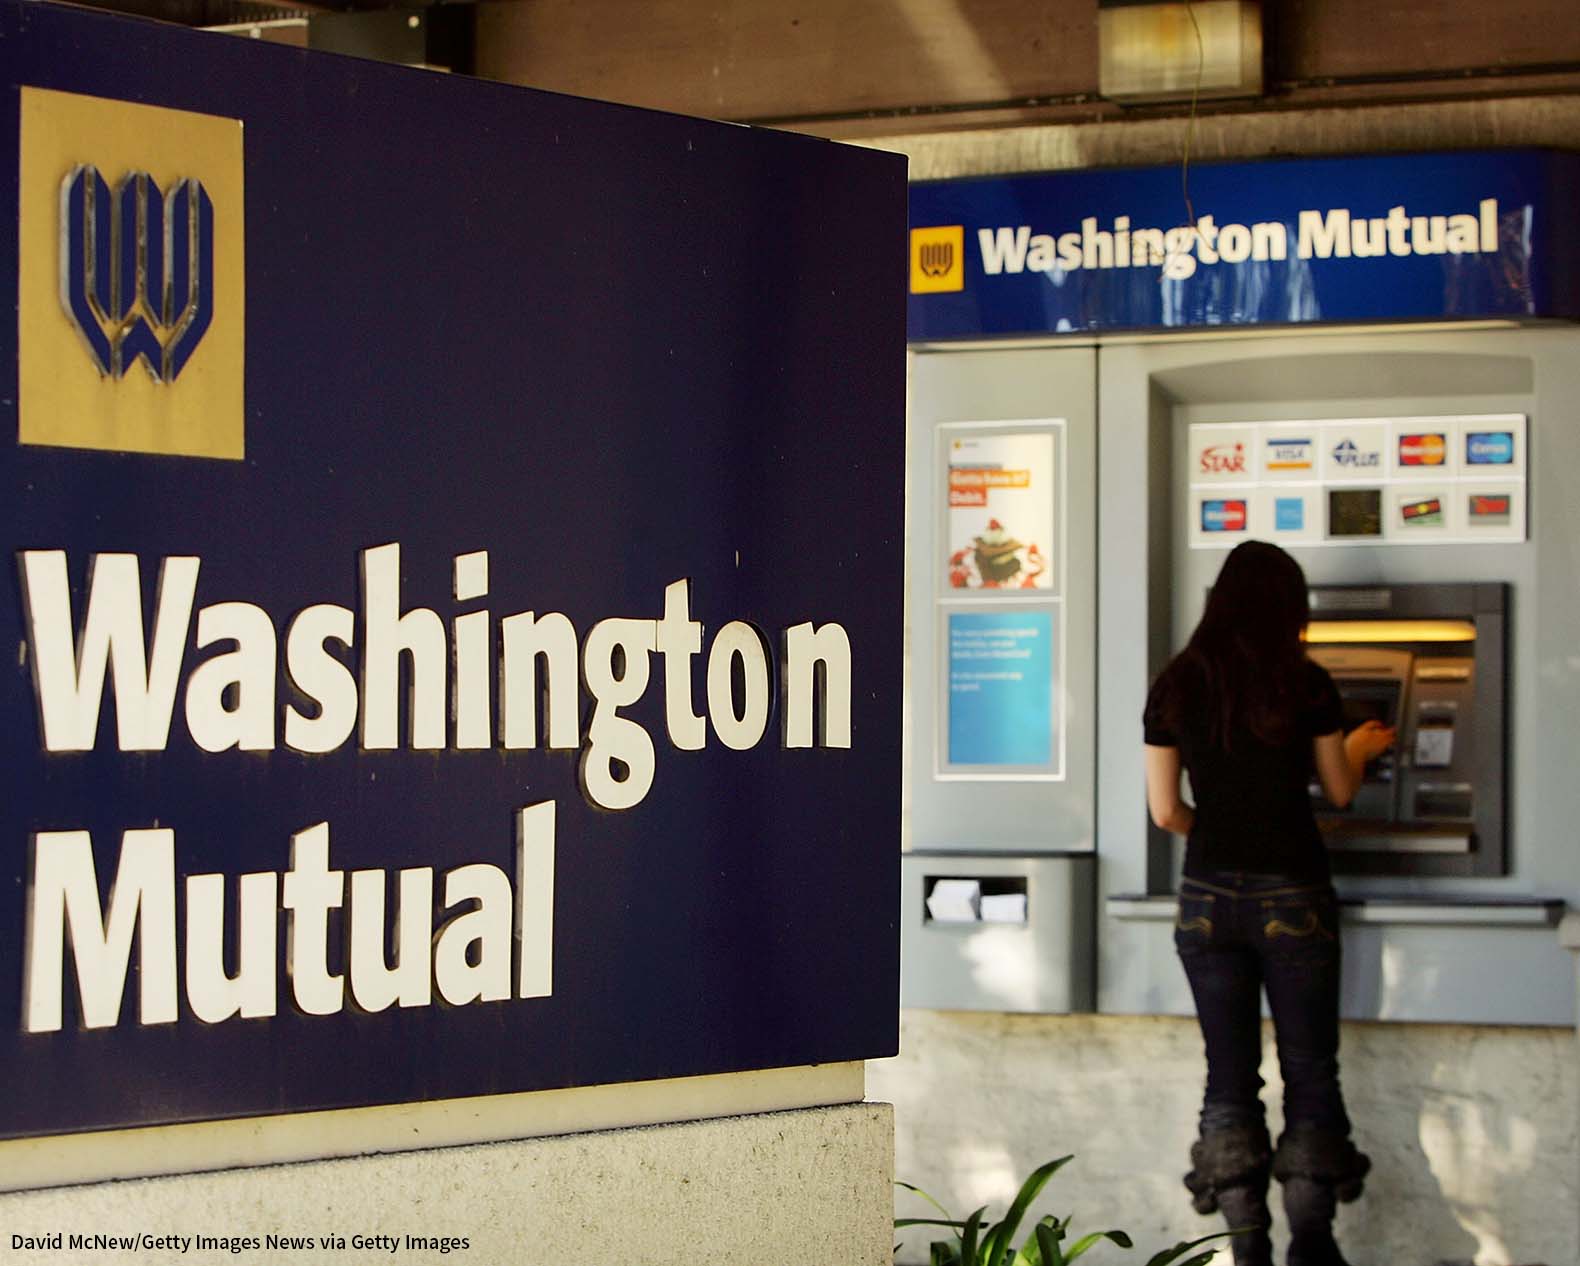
<point>1430,661</point>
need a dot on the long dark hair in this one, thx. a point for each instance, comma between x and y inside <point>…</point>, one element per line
<point>1245,663</point>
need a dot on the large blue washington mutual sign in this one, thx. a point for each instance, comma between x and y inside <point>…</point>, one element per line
<point>1402,237</point>
<point>454,541</point>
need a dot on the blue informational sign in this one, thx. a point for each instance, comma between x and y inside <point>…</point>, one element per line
<point>440,659</point>
<point>1001,689</point>
<point>1401,237</point>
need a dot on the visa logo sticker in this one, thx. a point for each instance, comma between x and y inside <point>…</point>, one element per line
<point>1289,514</point>
<point>1489,448</point>
<point>1289,454</point>
<point>1350,456</point>
<point>131,286</point>
<point>1429,449</point>
<point>1223,516</point>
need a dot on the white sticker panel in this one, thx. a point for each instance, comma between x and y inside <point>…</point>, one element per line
<point>1223,454</point>
<point>1288,514</point>
<point>1491,447</point>
<point>1289,452</point>
<point>1493,511</point>
<point>1422,448</point>
<point>1419,512</point>
<point>1355,452</point>
<point>1347,481</point>
<point>1220,516</point>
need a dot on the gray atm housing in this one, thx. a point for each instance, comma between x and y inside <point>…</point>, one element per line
<point>1434,804</point>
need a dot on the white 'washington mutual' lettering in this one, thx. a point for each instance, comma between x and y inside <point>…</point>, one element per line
<point>499,945</point>
<point>1334,233</point>
<point>231,701</point>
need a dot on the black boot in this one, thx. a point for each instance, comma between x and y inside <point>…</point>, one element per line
<point>1308,1205</point>
<point>1318,1169</point>
<point>1229,1173</point>
<point>1245,1211</point>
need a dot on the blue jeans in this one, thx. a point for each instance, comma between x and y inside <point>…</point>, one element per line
<point>1238,934</point>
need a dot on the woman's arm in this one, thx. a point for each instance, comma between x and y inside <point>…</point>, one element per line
<point>1341,759</point>
<point>1169,812</point>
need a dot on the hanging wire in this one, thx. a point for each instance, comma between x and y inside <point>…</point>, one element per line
<point>1190,122</point>
<point>1190,132</point>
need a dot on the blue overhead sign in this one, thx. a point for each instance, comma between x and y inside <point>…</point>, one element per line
<point>455,576</point>
<point>1403,237</point>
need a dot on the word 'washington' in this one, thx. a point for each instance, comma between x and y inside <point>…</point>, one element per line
<point>498,945</point>
<point>1333,234</point>
<point>231,699</point>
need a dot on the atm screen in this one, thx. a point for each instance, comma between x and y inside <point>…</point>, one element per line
<point>1371,701</point>
<point>1358,708</point>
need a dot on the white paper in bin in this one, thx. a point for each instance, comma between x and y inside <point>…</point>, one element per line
<point>955,900</point>
<point>1004,907</point>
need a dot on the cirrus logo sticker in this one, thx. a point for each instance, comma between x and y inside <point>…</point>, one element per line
<point>1489,448</point>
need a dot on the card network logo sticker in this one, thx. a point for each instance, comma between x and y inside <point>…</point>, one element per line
<point>1222,459</point>
<point>1223,516</point>
<point>1288,454</point>
<point>1490,509</point>
<point>1427,512</point>
<point>1489,448</point>
<point>1430,449</point>
<point>1350,456</point>
<point>1289,514</point>
<point>131,254</point>
<point>938,259</point>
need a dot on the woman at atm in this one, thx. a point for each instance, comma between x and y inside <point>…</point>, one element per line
<point>1248,716</point>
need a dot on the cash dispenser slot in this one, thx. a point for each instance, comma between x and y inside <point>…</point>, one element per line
<point>1428,661</point>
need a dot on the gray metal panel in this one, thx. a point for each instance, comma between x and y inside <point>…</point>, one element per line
<point>1439,964</point>
<point>1045,965</point>
<point>979,386</point>
<point>1482,975</point>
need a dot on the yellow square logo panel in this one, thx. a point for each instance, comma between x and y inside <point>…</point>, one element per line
<point>131,329</point>
<point>938,261</point>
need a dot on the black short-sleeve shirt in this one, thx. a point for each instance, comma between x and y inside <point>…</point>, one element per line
<point>1253,801</point>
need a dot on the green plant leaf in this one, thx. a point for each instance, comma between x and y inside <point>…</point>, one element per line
<point>943,1253</point>
<point>1048,1245</point>
<point>899,1222</point>
<point>1030,1254</point>
<point>968,1238</point>
<point>1171,1256</point>
<point>919,1192</point>
<point>1086,1241</point>
<point>996,1248</point>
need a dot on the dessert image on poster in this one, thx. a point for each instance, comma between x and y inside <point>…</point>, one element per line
<point>1001,512</point>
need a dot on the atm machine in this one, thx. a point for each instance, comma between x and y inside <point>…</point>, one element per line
<point>1428,659</point>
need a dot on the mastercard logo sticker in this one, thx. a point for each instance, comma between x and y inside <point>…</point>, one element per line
<point>1429,449</point>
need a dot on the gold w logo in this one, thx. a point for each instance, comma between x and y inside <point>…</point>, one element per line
<point>937,258</point>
